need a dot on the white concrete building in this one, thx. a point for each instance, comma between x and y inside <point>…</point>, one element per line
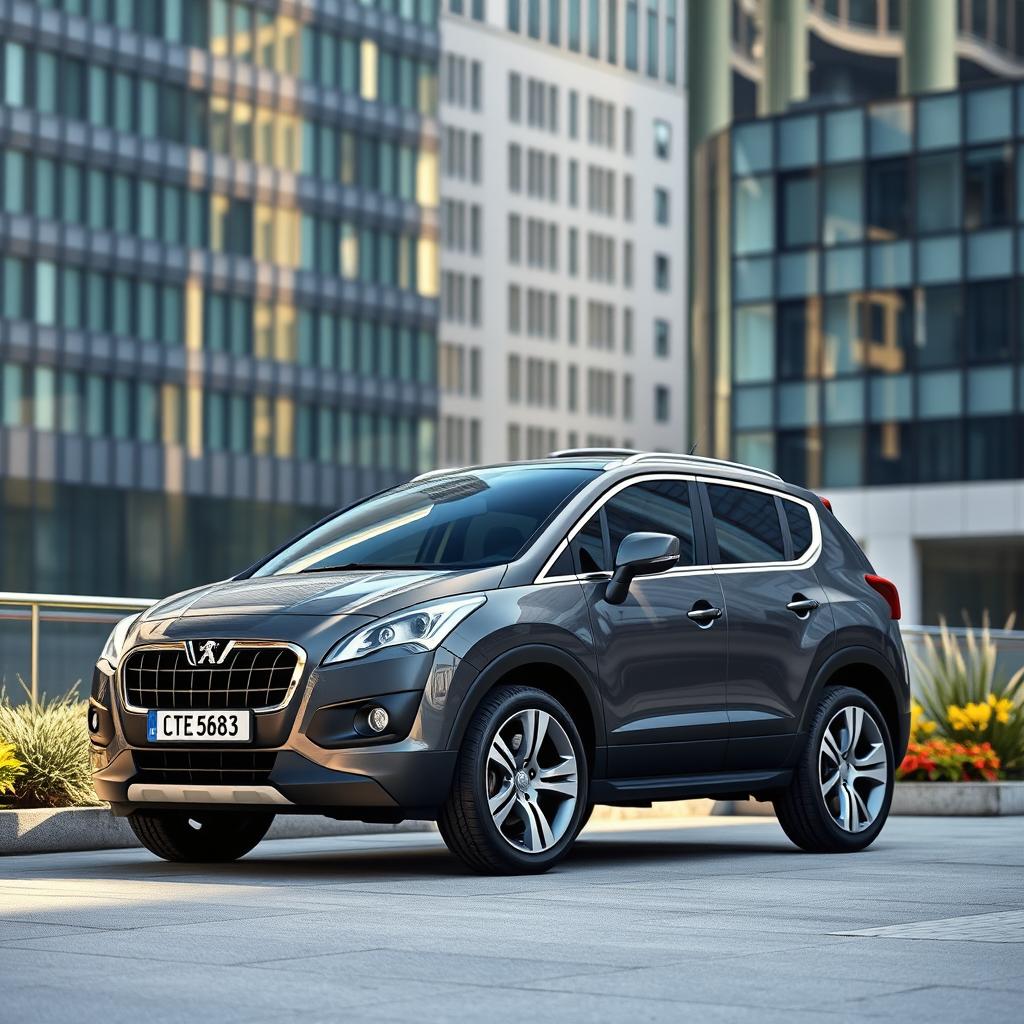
<point>563,211</point>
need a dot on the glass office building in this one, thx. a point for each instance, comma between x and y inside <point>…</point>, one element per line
<point>218,278</point>
<point>859,314</point>
<point>873,292</point>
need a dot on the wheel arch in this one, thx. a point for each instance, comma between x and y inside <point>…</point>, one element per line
<point>555,672</point>
<point>866,670</point>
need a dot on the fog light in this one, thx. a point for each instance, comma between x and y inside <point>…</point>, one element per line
<point>377,719</point>
<point>94,720</point>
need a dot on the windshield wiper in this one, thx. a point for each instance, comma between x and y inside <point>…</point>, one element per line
<point>346,566</point>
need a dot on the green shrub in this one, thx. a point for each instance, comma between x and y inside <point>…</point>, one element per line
<point>51,740</point>
<point>962,691</point>
<point>10,768</point>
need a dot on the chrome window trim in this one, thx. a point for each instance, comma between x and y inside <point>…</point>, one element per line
<point>179,645</point>
<point>809,557</point>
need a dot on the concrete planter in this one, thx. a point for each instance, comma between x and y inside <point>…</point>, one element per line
<point>960,799</point>
<point>95,828</point>
<point>934,799</point>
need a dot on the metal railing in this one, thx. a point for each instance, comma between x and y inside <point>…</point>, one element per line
<point>68,655</point>
<point>86,621</point>
<point>1009,644</point>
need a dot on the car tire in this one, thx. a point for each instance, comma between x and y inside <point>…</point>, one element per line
<point>841,791</point>
<point>200,837</point>
<point>516,804</point>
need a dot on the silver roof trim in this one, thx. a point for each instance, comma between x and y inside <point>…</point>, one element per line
<point>697,461</point>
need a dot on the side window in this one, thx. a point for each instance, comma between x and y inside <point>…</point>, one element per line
<point>588,547</point>
<point>799,520</point>
<point>746,524</point>
<point>586,552</point>
<point>657,506</point>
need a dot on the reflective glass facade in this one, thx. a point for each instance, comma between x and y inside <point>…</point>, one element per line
<point>218,278</point>
<point>858,292</point>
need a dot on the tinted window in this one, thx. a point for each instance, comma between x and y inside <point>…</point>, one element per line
<point>464,520</point>
<point>746,524</point>
<point>661,506</point>
<point>588,547</point>
<point>799,520</point>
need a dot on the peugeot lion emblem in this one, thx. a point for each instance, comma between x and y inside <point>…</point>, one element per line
<point>207,652</point>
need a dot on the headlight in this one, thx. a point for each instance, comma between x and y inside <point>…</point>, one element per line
<point>115,642</point>
<point>421,628</point>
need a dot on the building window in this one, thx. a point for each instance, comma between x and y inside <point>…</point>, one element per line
<point>661,272</point>
<point>652,38</point>
<point>661,338</point>
<point>661,404</point>
<point>798,198</point>
<point>660,205</point>
<point>512,15</point>
<point>515,97</point>
<point>612,32</point>
<point>632,46</point>
<point>574,25</point>
<point>986,187</point>
<point>888,199</point>
<point>662,139</point>
<point>593,28</point>
<point>555,22</point>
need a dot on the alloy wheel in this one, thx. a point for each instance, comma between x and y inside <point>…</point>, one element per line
<point>532,781</point>
<point>853,769</point>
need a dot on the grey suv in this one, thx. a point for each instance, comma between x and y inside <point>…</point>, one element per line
<point>501,648</point>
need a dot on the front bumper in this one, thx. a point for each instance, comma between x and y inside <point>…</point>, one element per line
<point>309,757</point>
<point>387,785</point>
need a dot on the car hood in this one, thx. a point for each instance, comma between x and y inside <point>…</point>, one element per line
<point>363,593</point>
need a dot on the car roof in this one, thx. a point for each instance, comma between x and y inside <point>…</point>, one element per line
<point>628,460</point>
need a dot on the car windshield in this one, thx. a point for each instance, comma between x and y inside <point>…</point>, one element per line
<point>465,520</point>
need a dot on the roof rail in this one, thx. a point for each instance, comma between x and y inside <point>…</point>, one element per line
<point>593,453</point>
<point>700,460</point>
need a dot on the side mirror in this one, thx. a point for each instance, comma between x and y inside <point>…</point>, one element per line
<point>640,554</point>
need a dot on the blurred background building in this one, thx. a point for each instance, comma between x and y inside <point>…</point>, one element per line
<point>563,227</point>
<point>219,276</point>
<point>857,301</point>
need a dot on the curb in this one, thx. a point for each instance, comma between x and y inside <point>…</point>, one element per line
<point>932,799</point>
<point>959,799</point>
<point>75,829</point>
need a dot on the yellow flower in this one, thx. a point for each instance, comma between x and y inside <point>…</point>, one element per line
<point>1003,708</point>
<point>970,718</point>
<point>919,725</point>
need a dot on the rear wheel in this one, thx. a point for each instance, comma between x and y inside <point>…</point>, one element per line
<point>200,837</point>
<point>842,786</point>
<point>520,788</point>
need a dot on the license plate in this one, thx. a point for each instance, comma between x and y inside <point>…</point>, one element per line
<point>199,726</point>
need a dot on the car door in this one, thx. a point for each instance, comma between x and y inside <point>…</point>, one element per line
<point>764,546</point>
<point>662,652</point>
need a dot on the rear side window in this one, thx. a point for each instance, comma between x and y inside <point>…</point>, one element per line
<point>799,520</point>
<point>747,525</point>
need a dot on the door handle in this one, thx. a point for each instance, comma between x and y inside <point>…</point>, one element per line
<point>704,616</point>
<point>802,605</point>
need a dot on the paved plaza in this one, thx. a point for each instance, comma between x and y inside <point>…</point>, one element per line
<point>713,919</point>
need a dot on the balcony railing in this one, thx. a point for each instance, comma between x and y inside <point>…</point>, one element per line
<point>50,642</point>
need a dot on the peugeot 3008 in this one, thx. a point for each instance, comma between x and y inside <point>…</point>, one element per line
<point>501,648</point>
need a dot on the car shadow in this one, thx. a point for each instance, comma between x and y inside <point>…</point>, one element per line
<point>432,861</point>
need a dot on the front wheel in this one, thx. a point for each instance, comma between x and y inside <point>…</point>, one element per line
<point>842,785</point>
<point>200,837</point>
<point>520,787</point>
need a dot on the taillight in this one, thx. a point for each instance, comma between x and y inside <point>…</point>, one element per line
<point>825,502</point>
<point>888,590</point>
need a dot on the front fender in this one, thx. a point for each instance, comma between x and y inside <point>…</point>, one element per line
<point>518,658</point>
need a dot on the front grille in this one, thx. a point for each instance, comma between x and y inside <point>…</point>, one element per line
<point>204,767</point>
<point>249,677</point>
